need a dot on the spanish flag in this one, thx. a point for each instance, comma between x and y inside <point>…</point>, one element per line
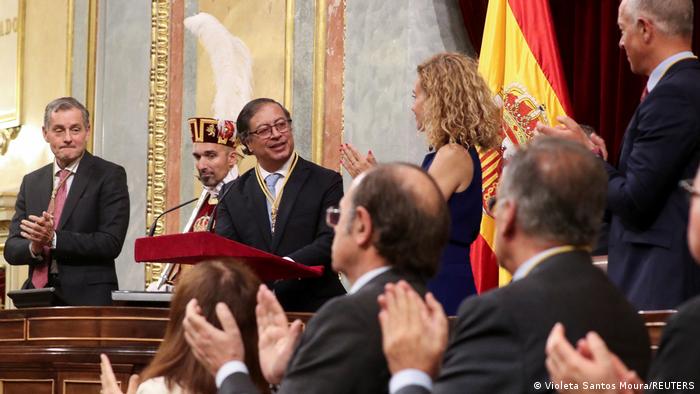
<point>520,63</point>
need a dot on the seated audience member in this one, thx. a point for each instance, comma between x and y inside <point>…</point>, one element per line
<point>676,365</point>
<point>454,108</point>
<point>216,285</point>
<point>381,236</point>
<point>280,205</point>
<point>549,206</point>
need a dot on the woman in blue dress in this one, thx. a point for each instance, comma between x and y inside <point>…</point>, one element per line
<point>454,107</point>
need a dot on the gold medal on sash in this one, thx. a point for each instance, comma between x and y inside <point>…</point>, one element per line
<point>201,223</point>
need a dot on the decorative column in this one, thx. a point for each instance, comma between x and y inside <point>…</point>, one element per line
<point>158,121</point>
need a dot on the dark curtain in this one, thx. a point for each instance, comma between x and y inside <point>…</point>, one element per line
<point>474,15</point>
<point>604,92</point>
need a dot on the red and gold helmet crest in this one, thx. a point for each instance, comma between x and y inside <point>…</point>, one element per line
<point>227,130</point>
<point>213,131</point>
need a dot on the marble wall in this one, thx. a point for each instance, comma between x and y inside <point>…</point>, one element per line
<point>121,112</point>
<point>302,80</point>
<point>385,40</point>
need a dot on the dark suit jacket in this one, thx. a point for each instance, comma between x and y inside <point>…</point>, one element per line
<point>648,251</point>
<point>678,359</point>
<point>90,233</point>
<point>301,231</point>
<point>341,349</point>
<point>498,343</point>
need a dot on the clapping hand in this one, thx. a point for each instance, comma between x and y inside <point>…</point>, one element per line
<point>353,162</point>
<point>109,381</point>
<point>414,333</point>
<point>276,337</point>
<point>38,230</point>
<point>211,346</point>
<point>591,362</point>
<point>569,129</point>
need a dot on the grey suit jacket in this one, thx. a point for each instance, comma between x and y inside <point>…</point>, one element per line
<point>341,349</point>
<point>91,231</point>
<point>497,345</point>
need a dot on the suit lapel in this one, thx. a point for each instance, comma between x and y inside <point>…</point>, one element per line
<point>43,195</point>
<point>632,130</point>
<point>291,192</point>
<point>80,182</point>
<point>628,141</point>
<point>257,205</point>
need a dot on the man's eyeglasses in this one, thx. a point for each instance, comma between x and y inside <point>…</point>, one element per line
<point>687,185</point>
<point>332,216</point>
<point>265,131</point>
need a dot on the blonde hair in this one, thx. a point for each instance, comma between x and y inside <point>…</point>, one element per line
<point>459,106</point>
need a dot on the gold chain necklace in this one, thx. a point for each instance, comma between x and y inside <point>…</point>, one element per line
<point>274,200</point>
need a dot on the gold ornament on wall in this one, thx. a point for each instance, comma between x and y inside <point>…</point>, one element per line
<point>7,135</point>
<point>157,121</point>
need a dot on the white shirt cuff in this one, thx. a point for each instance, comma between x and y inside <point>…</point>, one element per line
<point>410,377</point>
<point>289,258</point>
<point>31,253</point>
<point>53,241</point>
<point>229,369</point>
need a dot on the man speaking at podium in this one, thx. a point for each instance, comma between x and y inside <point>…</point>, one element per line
<point>71,216</point>
<point>279,206</point>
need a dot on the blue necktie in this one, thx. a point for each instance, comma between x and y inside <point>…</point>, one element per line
<point>271,181</point>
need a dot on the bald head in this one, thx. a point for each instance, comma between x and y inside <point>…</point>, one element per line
<point>560,190</point>
<point>409,215</point>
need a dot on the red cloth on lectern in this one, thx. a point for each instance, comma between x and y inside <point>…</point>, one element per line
<point>191,248</point>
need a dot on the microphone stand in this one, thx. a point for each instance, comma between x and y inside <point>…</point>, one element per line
<point>151,231</point>
<point>169,267</point>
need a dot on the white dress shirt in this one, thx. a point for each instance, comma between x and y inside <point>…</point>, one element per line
<point>282,171</point>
